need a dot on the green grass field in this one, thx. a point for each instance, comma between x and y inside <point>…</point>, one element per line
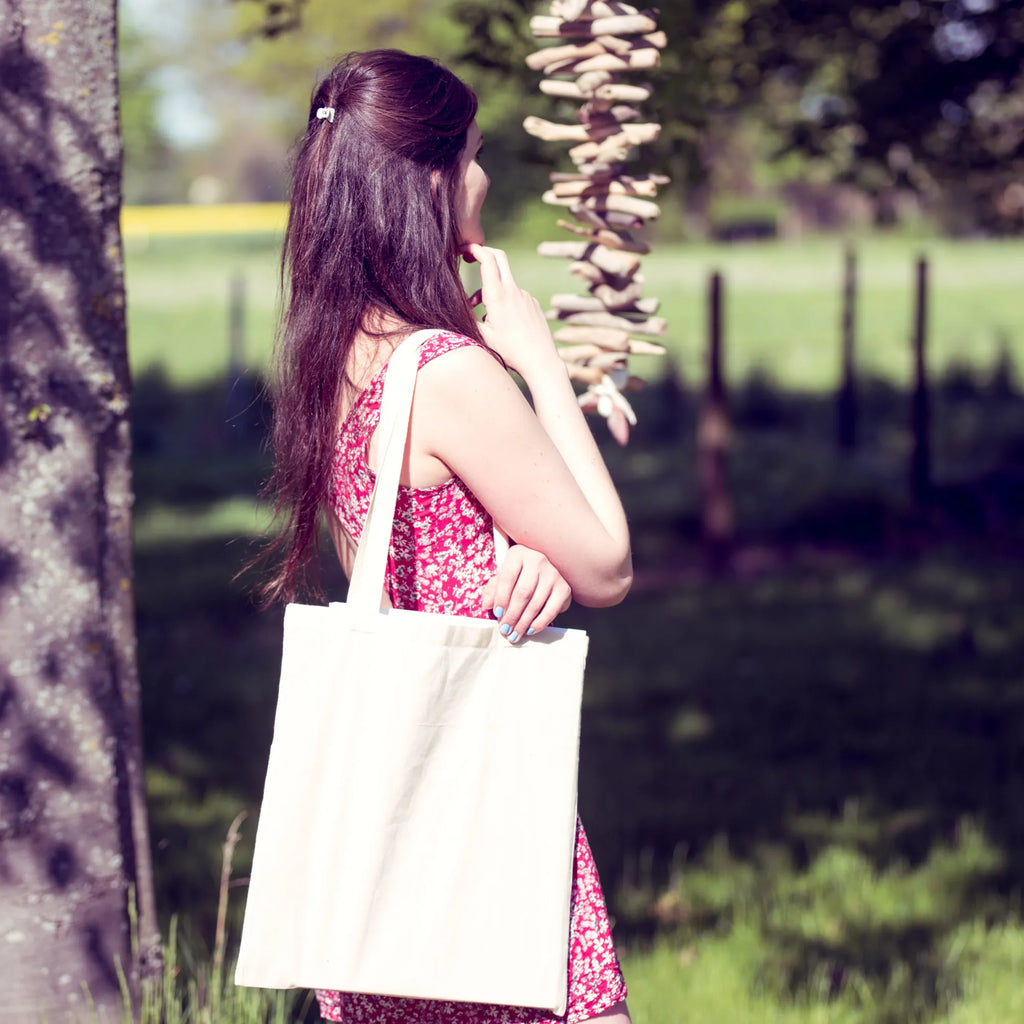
<point>803,781</point>
<point>782,304</point>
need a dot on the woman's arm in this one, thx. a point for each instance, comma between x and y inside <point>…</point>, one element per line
<point>539,474</point>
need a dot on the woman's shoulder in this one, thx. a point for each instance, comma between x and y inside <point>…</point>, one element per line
<point>444,341</point>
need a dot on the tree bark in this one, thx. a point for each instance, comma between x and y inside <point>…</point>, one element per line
<point>73,833</point>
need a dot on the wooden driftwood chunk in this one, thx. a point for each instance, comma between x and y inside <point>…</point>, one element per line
<point>601,87</point>
<point>617,146</point>
<point>608,9</point>
<point>602,111</point>
<point>550,131</point>
<point>553,59</point>
<point>617,298</point>
<point>607,237</point>
<point>654,325</point>
<point>615,263</point>
<point>561,90</point>
<point>609,360</point>
<point>591,81</point>
<point>569,9</point>
<point>588,272</point>
<point>565,303</point>
<point>554,131</point>
<point>603,338</point>
<point>549,27</point>
<point>617,44</point>
<point>617,203</point>
<point>585,374</point>
<point>622,92</point>
<point>631,60</point>
<point>622,186</point>
<point>638,347</point>
<point>578,353</point>
<point>591,219</point>
<point>553,55</point>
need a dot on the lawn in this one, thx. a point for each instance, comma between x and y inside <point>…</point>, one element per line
<point>802,779</point>
<point>782,304</point>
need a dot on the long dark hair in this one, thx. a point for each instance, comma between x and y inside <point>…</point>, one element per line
<point>371,234</point>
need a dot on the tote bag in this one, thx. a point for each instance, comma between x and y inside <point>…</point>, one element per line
<point>417,831</point>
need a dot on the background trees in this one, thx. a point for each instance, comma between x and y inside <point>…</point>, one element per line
<point>926,95</point>
<point>921,98</point>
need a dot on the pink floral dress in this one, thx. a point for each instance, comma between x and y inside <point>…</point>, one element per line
<point>442,556</point>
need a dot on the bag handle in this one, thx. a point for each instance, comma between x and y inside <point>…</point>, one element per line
<point>370,566</point>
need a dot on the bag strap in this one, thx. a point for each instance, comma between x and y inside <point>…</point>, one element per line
<point>370,566</point>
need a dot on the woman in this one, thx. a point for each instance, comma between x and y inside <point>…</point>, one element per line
<point>387,195</point>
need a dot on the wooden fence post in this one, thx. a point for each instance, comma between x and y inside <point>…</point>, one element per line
<point>240,387</point>
<point>236,326</point>
<point>846,399</point>
<point>920,413</point>
<point>713,442</point>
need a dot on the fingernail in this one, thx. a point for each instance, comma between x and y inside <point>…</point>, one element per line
<point>498,612</point>
<point>531,631</point>
<point>505,627</point>
<point>514,637</point>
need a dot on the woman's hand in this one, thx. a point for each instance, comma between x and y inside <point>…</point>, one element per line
<point>526,593</point>
<point>515,325</point>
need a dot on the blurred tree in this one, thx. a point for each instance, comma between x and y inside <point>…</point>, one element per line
<point>277,16</point>
<point>260,60</point>
<point>927,94</point>
<point>73,835</point>
<point>275,55</point>
<point>149,157</point>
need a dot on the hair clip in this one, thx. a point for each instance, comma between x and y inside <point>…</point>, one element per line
<point>325,114</point>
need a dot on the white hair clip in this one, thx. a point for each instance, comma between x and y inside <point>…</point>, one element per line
<point>325,114</point>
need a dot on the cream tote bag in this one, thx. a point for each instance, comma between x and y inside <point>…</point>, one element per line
<point>417,831</point>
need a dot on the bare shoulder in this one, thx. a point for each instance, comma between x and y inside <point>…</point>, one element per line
<point>464,374</point>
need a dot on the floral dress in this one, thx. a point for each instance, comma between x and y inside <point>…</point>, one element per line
<point>441,558</point>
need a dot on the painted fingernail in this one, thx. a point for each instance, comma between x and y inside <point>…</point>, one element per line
<point>505,627</point>
<point>514,637</point>
<point>498,612</point>
<point>531,631</point>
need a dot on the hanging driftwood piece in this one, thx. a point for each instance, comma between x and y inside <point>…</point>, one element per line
<point>599,43</point>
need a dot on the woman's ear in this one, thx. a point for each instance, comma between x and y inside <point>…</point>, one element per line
<point>435,181</point>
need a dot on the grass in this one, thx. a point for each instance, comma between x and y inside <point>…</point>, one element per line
<point>782,304</point>
<point>801,780</point>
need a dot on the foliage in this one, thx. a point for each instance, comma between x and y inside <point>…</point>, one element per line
<point>193,989</point>
<point>281,68</point>
<point>147,151</point>
<point>925,95</point>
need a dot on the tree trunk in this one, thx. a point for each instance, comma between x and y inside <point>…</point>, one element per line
<point>73,834</point>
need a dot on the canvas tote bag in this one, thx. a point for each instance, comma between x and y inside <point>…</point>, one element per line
<point>417,831</point>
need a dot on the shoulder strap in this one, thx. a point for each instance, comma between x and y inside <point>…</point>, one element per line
<point>370,566</point>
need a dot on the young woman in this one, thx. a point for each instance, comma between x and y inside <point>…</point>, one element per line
<point>386,197</point>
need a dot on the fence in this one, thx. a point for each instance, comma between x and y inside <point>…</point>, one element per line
<point>714,432</point>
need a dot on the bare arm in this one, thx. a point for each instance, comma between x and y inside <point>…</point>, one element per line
<point>540,473</point>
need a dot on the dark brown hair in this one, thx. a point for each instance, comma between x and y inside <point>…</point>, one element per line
<point>371,232</point>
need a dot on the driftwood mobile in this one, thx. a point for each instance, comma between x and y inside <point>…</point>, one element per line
<point>609,41</point>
